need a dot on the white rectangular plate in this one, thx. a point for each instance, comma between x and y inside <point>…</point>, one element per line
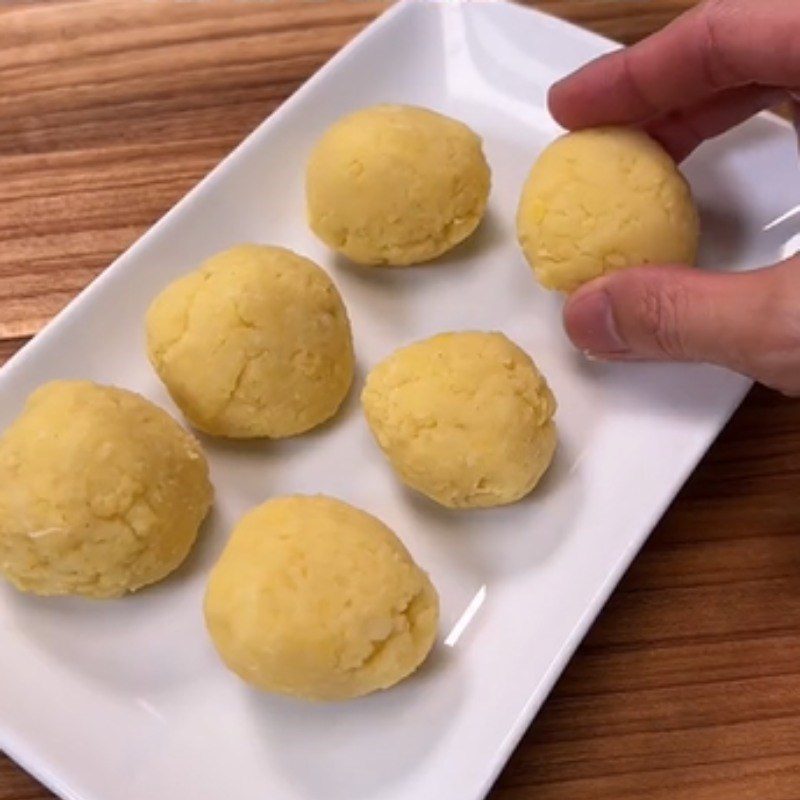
<point>126,700</point>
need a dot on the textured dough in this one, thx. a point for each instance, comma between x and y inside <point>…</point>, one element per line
<point>101,492</point>
<point>256,343</point>
<point>317,599</point>
<point>604,199</point>
<point>396,185</point>
<point>464,418</point>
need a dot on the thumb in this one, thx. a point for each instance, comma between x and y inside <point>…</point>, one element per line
<point>748,321</point>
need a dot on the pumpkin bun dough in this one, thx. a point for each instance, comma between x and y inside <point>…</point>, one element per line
<point>101,492</point>
<point>317,599</point>
<point>464,418</point>
<point>601,200</point>
<point>396,185</point>
<point>255,343</point>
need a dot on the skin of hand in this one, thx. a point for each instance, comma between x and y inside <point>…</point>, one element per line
<point>714,67</point>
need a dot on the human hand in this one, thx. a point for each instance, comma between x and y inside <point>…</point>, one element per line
<point>711,69</point>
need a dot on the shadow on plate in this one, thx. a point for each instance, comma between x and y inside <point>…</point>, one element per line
<point>723,236</point>
<point>391,302</point>
<point>491,233</point>
<point>128,644</point>
<point>354,750</point>
<point>488,235</point>
<point>493,542</point>
<point>263,451</point>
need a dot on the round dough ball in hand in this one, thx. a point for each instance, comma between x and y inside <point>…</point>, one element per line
<point>604,199</point>
<point>316,599</point>
<point>101,492</point>
<point>256,343</point>
<point>464,418</point>
<point>396,185</point>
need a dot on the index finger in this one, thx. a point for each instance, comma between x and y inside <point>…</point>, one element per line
<point>719,45</point>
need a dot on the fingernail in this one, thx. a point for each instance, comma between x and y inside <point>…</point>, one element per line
<point>591,326</point>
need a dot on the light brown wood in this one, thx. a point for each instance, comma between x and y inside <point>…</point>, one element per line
<point>688,687</point>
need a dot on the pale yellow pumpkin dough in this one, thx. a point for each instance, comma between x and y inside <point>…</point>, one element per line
<point>255,343</point>
<point>396,185</point>
<point>101,492</point>
<point>604,199</point>
<point>316,599</point>
<point>464,418</point>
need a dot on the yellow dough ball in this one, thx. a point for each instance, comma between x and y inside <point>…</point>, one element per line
<point>317,599</point>
<point>101,492</point>
<point>604,199</point>
<point>396,185</point>
<point>464,418</point>
<point>255,343</point>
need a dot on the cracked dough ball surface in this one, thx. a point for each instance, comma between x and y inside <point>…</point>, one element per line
<point>317,599</point>
<point>101,492</point>
<point>604,199</point>
<point>464,418</point>
<point>255,343</point>
<point>396,185</point>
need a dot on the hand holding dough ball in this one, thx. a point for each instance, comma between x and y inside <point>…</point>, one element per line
<point>317,599</point>
<point>464,418</point>
<point>396,185</point>
<point>604,199</point>
<point>254,343</point>
<point>101,492</point>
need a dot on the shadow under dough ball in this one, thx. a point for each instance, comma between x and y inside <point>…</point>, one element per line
<point>316,599</point>
<point>395,185</point>
<point>464,418</point>
<point>101,492</point>
<point>604,199</point>
<point>255,343</point>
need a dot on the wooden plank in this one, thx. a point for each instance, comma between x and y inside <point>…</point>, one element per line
<point>8,347</point>
<point>111,111</point>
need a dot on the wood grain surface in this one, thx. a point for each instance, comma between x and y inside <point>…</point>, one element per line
<point>688,686</point>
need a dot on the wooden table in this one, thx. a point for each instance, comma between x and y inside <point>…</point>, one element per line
<point>689,684</point>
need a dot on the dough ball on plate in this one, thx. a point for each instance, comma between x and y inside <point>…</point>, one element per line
<point>604,199</point>
<point>255,343</point>
<point>317,599</point>
<point>101,492</point>
<point>396,185</point>
<point>464,418</point>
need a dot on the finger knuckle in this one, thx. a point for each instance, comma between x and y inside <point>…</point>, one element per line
<point>716,11</point>
<point>710,8</point>
<point>637,86</point>
<point>716,19</point>
<point>660,310</point>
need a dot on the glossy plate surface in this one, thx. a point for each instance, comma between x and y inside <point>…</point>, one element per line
<point>126,700</point>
